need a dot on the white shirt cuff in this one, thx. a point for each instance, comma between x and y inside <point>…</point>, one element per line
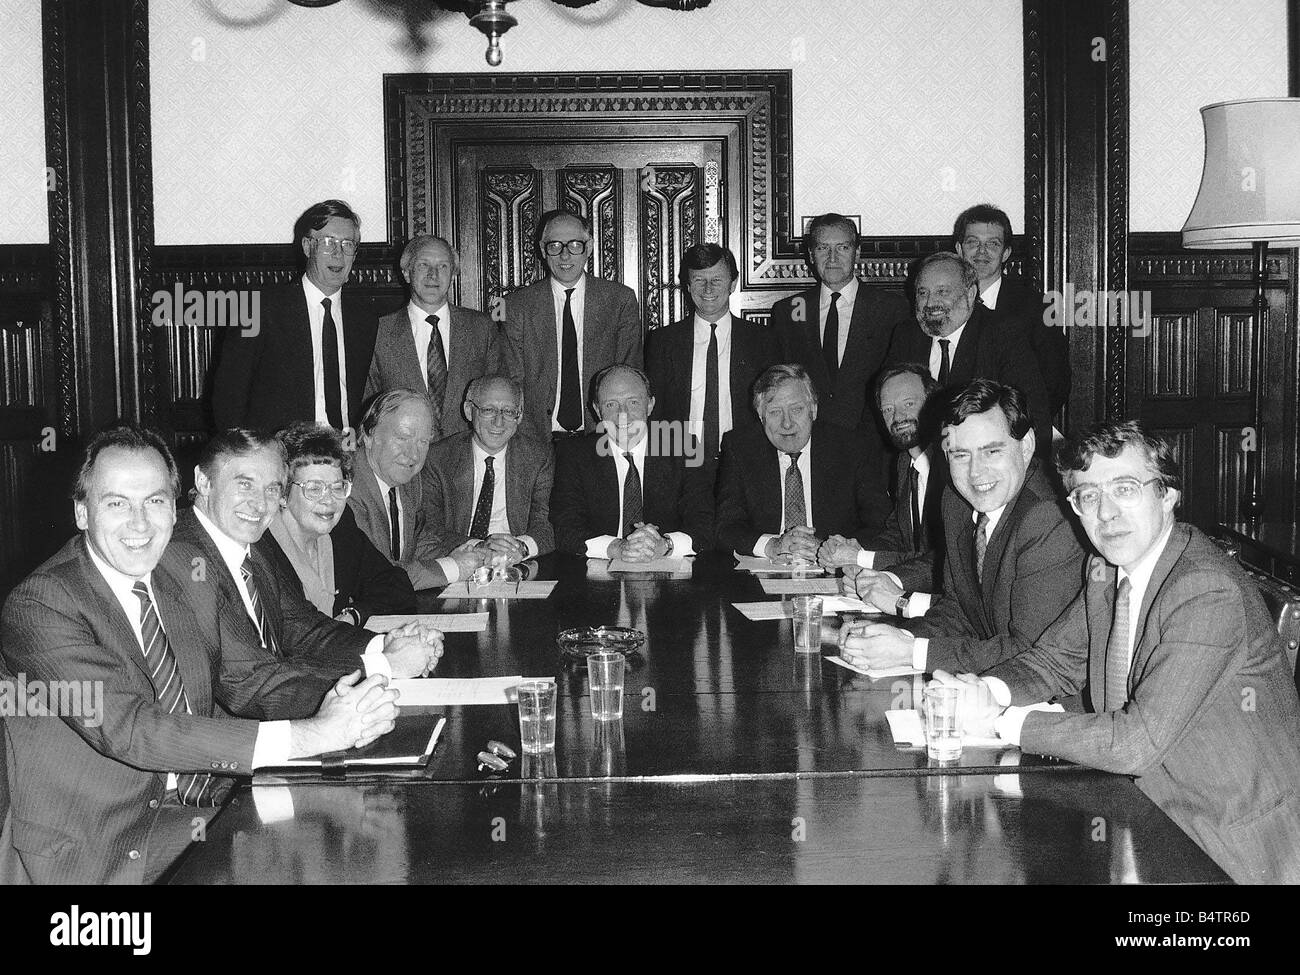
<point>760,547</point>
<point>374,660</point>
<point>866,560</point>
<point>682,543</point>
<point>920,650</point>
<point>450,569</point>
<point>598,547</point>
<point>1009,723</point>
<point>918,605</point>
<point>530,546</point>
<point>273,742</point>
<point>273,802</point>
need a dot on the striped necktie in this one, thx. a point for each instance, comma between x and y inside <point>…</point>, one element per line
<point>1117,653</point>
<point>436,371</point>
<point>796,510</point>
<point>164,673</point>
<point>981,543</point>
<point>633,500</point>
<point>264,629</point>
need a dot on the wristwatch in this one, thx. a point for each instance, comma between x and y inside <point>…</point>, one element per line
<point>900,605</point>
<point>669,550</point>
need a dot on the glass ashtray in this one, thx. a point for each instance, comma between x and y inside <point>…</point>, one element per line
<point>576,643</point>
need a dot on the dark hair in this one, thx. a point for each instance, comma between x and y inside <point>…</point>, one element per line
<point>235,442</point>
<point>386,403</point>
<point>827,221</point>
<point>982,395</point>
<point>316,216</point>
<point>608,371</point>
<point>970,278</point>
<point>921,372</point>
<point>544,220</point>
<point>307,442</point>
<point>981,213</point>
<point>774,376</point>
<point>128,436</point>
<point>1109,439</point>
<point>701,257</point>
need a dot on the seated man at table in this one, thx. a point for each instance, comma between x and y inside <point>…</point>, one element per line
<point>388,491</point>
<point>492,484</point>
<point>623,492</point>
<point>110,793</point>
<point>1177,659</point>
<point>787,485</point>
<point>911,543</point>
<point>1013,558</point>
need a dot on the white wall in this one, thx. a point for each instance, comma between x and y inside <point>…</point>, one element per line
<point>24,214</point>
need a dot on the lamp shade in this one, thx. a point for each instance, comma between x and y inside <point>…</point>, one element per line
<point>1250,184</point>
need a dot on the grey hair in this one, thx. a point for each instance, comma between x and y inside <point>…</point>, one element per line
<point>970,278</point>
<point>774,376</point>
<point>420,240</point>
<point>387,403</point>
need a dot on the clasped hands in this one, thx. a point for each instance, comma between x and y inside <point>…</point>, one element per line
<point>495,549</point>
<point>413,650</point>
<point>354,713</point>
<point>799,543</point>
<point>643,545</point>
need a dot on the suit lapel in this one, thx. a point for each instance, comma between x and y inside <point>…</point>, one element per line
<point>462,479</point>
<point>767,488</point>
<point>125,641</point>
<point>365,488</point>
<point>968,588</point>
<point>194,667</point>
<point>963,366</point>
<point>517,461</point>
<point>1174,547</point>
<point>857,348</point>
<point>408,355</point>
<point>827,484</point>
<point>681,353</point>
<point>460,353</point>
<point>609,494</point>
<point>997,545</point>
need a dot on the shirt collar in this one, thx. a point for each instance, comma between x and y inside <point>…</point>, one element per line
<point>419,317</point>
<point>479,454</point>
<point>990,294</point>
<point>119,582</point>
<point>994,517</point>
<point>315,296</point>
<point>848,292</point>
<point>579,287</point>
<point>955,336</point>
<point>232,552</point>
<point>803,454</point>
<point>1141,574</point>
<point>637,452</point>
<point>702,326</point>
<point>921,462</point>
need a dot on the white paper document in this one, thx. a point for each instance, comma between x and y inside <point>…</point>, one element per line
<point>447,622</point>
<point>877,673</point>
<point>499,590</point>
<point>444,691</point>
<point>908,729</point>
<point>771,609</point>
<point>675,565</point>
<point>753,563</point>
<point>791,587</point>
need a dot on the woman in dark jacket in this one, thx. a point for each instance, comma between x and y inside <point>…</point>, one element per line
<point>315,539</point>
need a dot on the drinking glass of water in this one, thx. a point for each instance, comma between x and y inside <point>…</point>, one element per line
<point>537,715</point>
<point>943,722</point>
<point>605,675</point>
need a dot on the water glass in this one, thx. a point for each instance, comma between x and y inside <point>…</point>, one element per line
<point>537,716</point>
<point>943,722</point>
<point>605,675</point>
<point>807,624</point>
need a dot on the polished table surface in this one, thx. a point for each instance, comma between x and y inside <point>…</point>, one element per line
<point>737,760</point>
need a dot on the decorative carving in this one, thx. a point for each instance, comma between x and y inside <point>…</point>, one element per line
<point>1035,141</point>
<point>1116,164</point>
<point>141,163</point>
<point>1234,368</point>
<point>593,193</point>
<point>1171,357</point>
<point>56,144</point>
<point>508,216</point>
<point>670,203</point>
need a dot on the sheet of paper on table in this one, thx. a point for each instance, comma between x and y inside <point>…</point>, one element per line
<point>876,674</point>
<point>447,622</point>
<point>499,590</point>
<point>444,691</point>
<point>674,564</point>
<point>752,563</point>
<point>770,609</point>
<point>908,729</point>
<point>815,587</point>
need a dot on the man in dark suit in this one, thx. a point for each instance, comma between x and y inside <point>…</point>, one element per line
<point>839,331</point>
<point>561,331</point>
<point>627,493</point>
<point>310,354</point>
<point>954,338</point>
<point>406,355</point>
<point>911,543</point>
<point>703,368</point>
<point>771,474</point>
<point>108,795</point>
<point>240,595</point>
<point>1013,560</point>
<point>389,480</point>
<point>1178,661</point>
<point>492,484</point>
<point>982,235</point>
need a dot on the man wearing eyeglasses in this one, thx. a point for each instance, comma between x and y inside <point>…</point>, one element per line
<point>310,354</point>
<point>429,343</point>
<point>561,331</point>
<point>1187,685</point>
<point>491,485</point>
<point>839,331</point>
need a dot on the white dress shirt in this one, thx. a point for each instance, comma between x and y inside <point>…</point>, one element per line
<point>421,331</point>
<point>867,559</point>
<point>936,352</point>
<point>577,305</point>
<point>499,522</point>
<point>598,547</point>
<point>316,321</point>
<point>990,294</point>
<point>448,565</point>
<point>844,308</point>
<point>700,363</point>
<point>271,747</point>
<point>805,471</point>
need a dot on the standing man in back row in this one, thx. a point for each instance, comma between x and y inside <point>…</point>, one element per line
<point>560,331</point>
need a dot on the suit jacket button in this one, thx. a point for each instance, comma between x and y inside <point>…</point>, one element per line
<point>134,855</point>
<point>153,803</point>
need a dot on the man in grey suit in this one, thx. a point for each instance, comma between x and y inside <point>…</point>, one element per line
<point>1184,675</point>
<point>561,331</point>
<point>388,494</point>
<point>406,355</point>
<point>492,484</point>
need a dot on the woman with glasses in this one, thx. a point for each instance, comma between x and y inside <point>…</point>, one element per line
<point>315,538</point>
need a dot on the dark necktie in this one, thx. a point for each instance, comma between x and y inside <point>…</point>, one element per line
<point>796,512</point>
<point>329,341</point>
<point>394,527</point>
<point>264,629</point>
<point>1117,657</point>
<point>943,362</point>
<point>914,485</point>
<point>981,543</point>
<point>570,415</point>
<point>831,337</point>
<point>712,416</point>
<point>478,527</point>
<point>632,502</point>
<point>169,688</point>
<point>436,371</point>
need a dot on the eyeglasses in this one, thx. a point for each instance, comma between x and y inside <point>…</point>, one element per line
<point>333,245</point>
<point>490,413</point>
<point>554,247</point>
<point>1126,492</point>
<point>839,250</point>
<point>316,490</point>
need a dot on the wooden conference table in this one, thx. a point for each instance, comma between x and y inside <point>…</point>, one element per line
<point>737,760</point>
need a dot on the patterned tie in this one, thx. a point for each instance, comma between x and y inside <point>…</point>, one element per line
<point>191,789</point>
<point>478,526</point>
<point>712,416</point>
<point>981,543</point>
<point>796,512</point>
<point>436,371</point>
<point>1117,656</point>
<point>570,415</point>
<point>831,337</point>
<point>394,527</point>
<point>330,356</point>
<point>632,502</point>
<point>943,362</point>
<point>259,612</point>
<point>914,485</point>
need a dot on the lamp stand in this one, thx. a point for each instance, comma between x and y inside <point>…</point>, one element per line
<point>1252,503</point>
